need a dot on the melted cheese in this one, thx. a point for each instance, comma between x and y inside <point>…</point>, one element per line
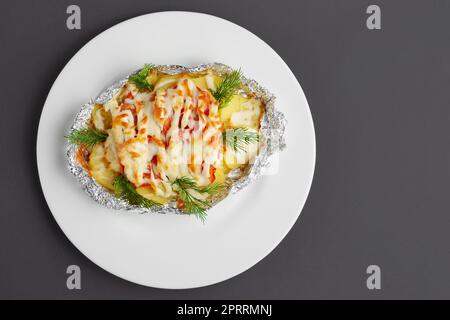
<point>157,137</point>
<point>173,131</point>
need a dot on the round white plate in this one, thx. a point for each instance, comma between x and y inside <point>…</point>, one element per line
<point>174,251</point>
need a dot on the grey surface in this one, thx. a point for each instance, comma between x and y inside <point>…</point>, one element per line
<point>381,106</point>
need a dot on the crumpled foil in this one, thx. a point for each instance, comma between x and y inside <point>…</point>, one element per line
<point>271,141</point>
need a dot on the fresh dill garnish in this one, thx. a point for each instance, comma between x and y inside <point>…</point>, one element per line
<point>87,136</point>
<point>239,138</point>
<point>140,78</point>
<point>229,85</point>
<point>194,205</point>
<point>124,190</point>
<point>189,183</point>
<point>210,189</point>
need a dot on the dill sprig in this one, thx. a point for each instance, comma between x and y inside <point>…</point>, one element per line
<point>124,190</point>
<point>87,136</point>
<point>229,85</point>
<point>239,138</point>
<point>211,189</point>
<point>140,78</point>
<point>194,205</point>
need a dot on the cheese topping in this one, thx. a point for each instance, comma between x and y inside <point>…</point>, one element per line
<point>175,130</point>
<point>159,136</point>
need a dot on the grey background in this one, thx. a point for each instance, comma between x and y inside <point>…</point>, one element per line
<point>380,103</point>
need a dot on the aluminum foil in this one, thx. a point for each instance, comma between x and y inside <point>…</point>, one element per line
<point>272,141</point>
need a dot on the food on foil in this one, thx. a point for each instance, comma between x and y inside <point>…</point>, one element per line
<point>169,139</point>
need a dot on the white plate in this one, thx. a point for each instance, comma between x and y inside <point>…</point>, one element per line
<point>173,251</point>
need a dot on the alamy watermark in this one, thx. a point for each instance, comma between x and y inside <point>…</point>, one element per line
<point>374,279</point>
<point>73,21</point>
<point>374,20</point>
<point>74,279</point>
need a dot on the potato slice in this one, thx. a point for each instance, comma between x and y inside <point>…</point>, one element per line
<point>166,81</point>
<point>230,159</point>
<point>248,116</point>
<point>152,77</point>
<point>220,174</point>
<point>147,193</point>
<point>235,159</point>
<point>101,118</point>
<point>242,112</point>
<point>200,82</point>
<point>208,81</point>
<point>233,106</point>
<point>98,167</point>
